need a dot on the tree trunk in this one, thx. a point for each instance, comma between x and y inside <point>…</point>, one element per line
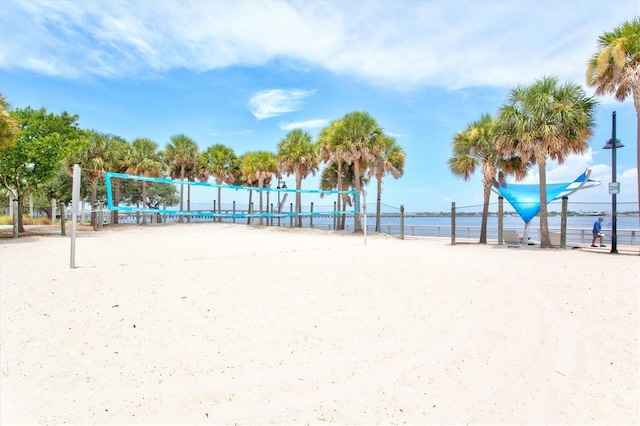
<point>144,201</point>
<point>94,203</point>
<point>189,203</point>
<point>340,221</point>
<point>260,185</point>
<point>116,201</point>
<point>545,241</point>
<point>357,226</point>
<point>379,196</point>
<point>485,213</point>
<point>219,206</point>
<point>298,200</point>
<point>181,194</point>
<point>249,207</point>
<point>20,210</point>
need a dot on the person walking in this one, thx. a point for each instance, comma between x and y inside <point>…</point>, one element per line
<point>597,233</point>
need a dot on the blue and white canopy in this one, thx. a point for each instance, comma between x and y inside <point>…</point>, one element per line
<point>525,199</point>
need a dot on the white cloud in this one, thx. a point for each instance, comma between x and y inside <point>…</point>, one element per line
<point>575,165</point>
<point>401,45</point>
<point>570,169</point>
<point>274,102</point>
<point>308,124</point>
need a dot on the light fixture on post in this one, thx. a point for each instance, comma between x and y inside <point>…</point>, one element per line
<point>281,185</point>
<point>614,187</point>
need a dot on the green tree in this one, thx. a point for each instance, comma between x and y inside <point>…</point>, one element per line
<point>220,162</point>
<point>95,158</point>
<point>389,160</point>
<point>43,141</point>
<point>476,147</point>
<point>60,186</point>
<point>118,148</point>
<point>258,167</point>
<point>298,155</point>
<point>181,155</point>
<point>615,69</point>
<point>332,153</point>
<point>359,136</point>
<point>545,120</point>
<point>143,159</point>
<point>161,194</point>
<point>9,127</point>
<point>331,179</point>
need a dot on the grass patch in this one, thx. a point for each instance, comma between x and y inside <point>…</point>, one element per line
<point>26,220</point>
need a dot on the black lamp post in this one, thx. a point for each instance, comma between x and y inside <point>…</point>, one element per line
<point>281,185</point>
<point>614,187</point>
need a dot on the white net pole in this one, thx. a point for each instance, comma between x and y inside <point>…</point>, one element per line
<point>75,202</point>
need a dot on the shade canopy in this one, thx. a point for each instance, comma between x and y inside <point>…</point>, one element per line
<point>525,199</point>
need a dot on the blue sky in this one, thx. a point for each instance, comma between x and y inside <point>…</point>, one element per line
<point>245,73</point>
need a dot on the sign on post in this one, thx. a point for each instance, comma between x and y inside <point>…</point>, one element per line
<point>614,187</point>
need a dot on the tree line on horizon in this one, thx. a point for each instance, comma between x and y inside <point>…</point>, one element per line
<point>548,120</point>
<point>38,151</point>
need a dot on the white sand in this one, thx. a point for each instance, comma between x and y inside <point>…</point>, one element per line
<point>225,324</point>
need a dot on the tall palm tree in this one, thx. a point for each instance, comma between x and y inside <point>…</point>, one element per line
<point>332,152</point>
<point>181,155</point>
<point>94,159</point>
<point>359,133</point>
<point>257,168</point>
<point>118,148</point>
<point>389,160</point>
<point>143,159</point>
<point>221,162</point>
<point>615,69</point>
<point>476,147</point>
<point>545,120</point>
<point>331,179</point>
<point>299,156</point>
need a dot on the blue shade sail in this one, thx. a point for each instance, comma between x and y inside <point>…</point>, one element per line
<point>525,199</point>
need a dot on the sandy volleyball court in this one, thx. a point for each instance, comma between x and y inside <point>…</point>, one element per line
<point>229,324</point>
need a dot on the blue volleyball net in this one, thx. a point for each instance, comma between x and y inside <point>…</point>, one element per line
<point>141,194</point>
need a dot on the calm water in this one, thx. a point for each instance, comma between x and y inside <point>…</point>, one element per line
<point>578,227</point>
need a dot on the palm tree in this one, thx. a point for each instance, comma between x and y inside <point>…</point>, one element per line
<point>545,120</point>
<point>118,148</point>
<point>359,134</point>
<point>331,179</point>
<point>299,156</point>
<point>332,153</point>
<point>476,147</point>
<point>257,168</point>
<point>615,69</point>
<point>181,155</point>
<point>94,160</point>
<point>221,162</point>
<point>143,159</point>
<point>389,160</point>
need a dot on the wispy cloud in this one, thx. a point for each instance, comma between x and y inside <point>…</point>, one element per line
<point>308,124</point>
<point>402,45</point>
<point>274,102</point>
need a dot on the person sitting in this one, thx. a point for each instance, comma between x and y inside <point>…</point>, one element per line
<point>597,233</point>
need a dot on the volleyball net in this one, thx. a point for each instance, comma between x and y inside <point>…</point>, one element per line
<point>142,194</point>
